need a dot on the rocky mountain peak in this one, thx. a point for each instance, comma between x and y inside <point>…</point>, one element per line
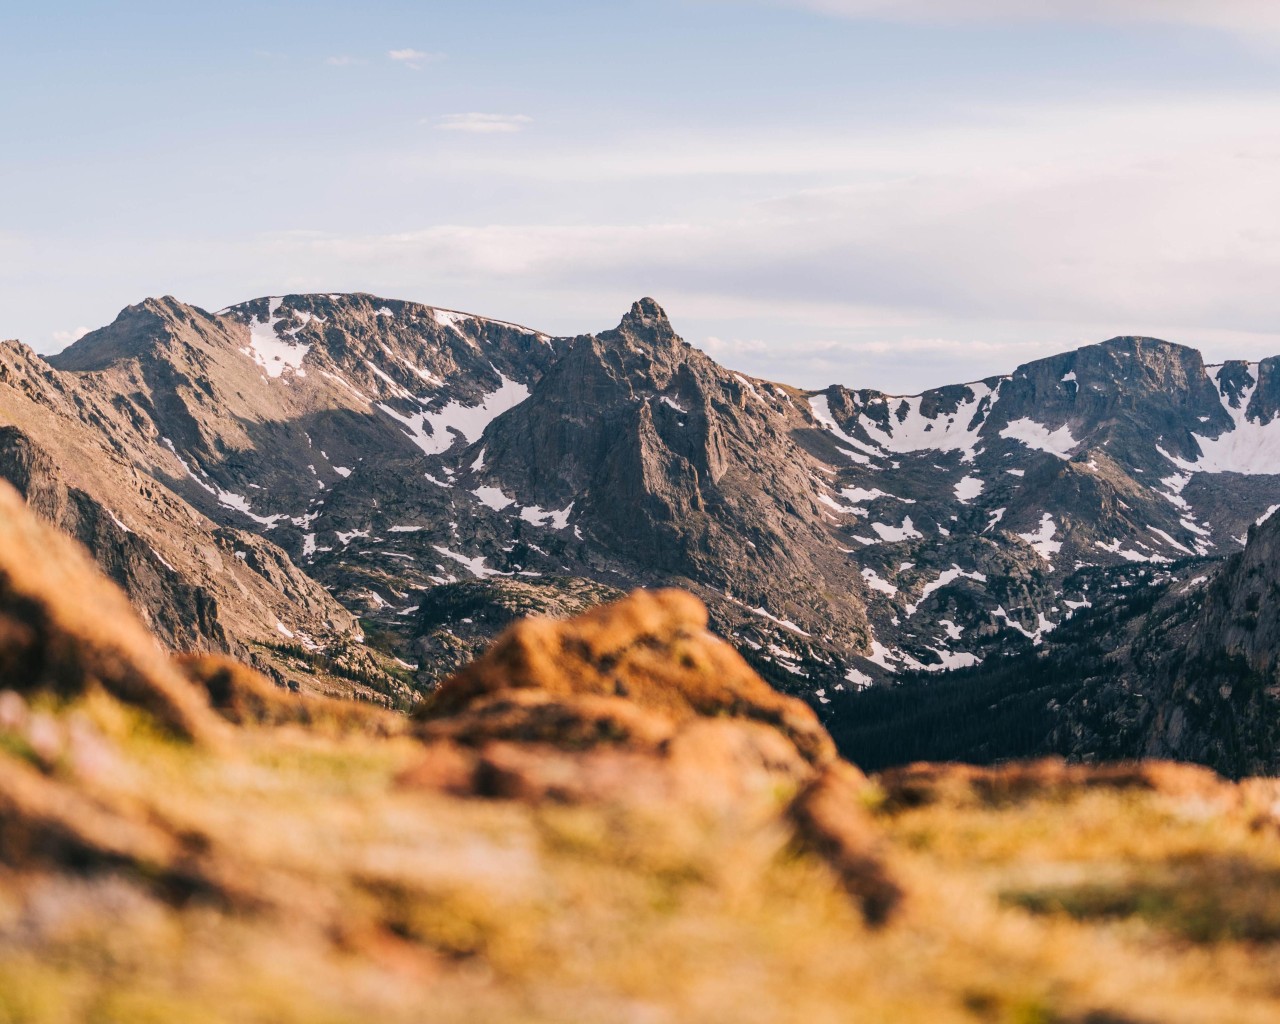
<point>1129,359</point>
<point>645,328</point>
<point>145,327</point>
<point>1140,343</point>
<point>646,312</point>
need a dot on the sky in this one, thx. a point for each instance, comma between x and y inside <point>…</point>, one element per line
<point>880,193</point>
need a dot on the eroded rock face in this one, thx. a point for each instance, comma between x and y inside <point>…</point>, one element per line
<point>1195,678</point>
<point>1242,614</point>
<point>183,615</point>
<point>1222,704</point>
<point>86,451</point>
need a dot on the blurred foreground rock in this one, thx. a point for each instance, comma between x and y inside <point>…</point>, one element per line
<point>64,628</point>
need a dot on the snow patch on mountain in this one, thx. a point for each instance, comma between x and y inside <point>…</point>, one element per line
<point>436,432</point>
<point>876,583</point>
<point>1250,447</point>
<point>1039,437</point>
<point>784,623</point>
<point>831,503</point>
<point>969,488</point>
<point>269,350</point>
<point>910,430</point>
<point>948,661</point>
<point>857,494</point>
<point>449,318</point>
<point>821,409</point>
<point>893,534</point>
<point>945,578</point>
<point>858,680</point>
<point>1042,539</point>
<point>1170,541</point>
<point>1115,547</point>
<point>1176,484</point>
<point>493,498</point>
<point>558,520</point>
<point>228,499</point>
<point>475,565</point>
<point>1036,636</point>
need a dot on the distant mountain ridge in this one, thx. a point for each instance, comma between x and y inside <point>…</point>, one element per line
<point>429,471</point>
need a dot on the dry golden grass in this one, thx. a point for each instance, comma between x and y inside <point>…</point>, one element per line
<point>337,894</point>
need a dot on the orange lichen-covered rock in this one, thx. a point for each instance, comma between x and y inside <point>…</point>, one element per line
<point>717,766</point>
<point>245,697</point>
<point>652,648</point>
<point>567,721</point>
<point>636,706</point>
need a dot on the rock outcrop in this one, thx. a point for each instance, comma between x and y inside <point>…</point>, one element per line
<point>652,649</point>
<point>1219,702</point>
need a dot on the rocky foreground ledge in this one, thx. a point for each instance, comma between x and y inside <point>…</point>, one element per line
<point>610,818</point>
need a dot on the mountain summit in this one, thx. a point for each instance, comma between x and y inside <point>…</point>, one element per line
<point>646,313</point>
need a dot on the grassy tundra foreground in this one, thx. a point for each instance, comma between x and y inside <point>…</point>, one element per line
<point>605,819</point>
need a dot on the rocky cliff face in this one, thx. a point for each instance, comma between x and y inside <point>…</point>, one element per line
<point>1195,676</point>
<point>87,455</point>
<point>679,469</point>
<point>184,615</point>
<point>1221,705</point>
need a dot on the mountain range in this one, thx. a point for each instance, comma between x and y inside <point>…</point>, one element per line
<point>356,494</point>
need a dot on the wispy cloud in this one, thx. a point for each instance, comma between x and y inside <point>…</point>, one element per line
<point>342,61</point>
<point>413,58</point>
<point>1246,16</point>
<point>64,338</point>
<point>484,124</point>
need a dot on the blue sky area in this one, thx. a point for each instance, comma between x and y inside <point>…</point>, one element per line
<point>888,193</point>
